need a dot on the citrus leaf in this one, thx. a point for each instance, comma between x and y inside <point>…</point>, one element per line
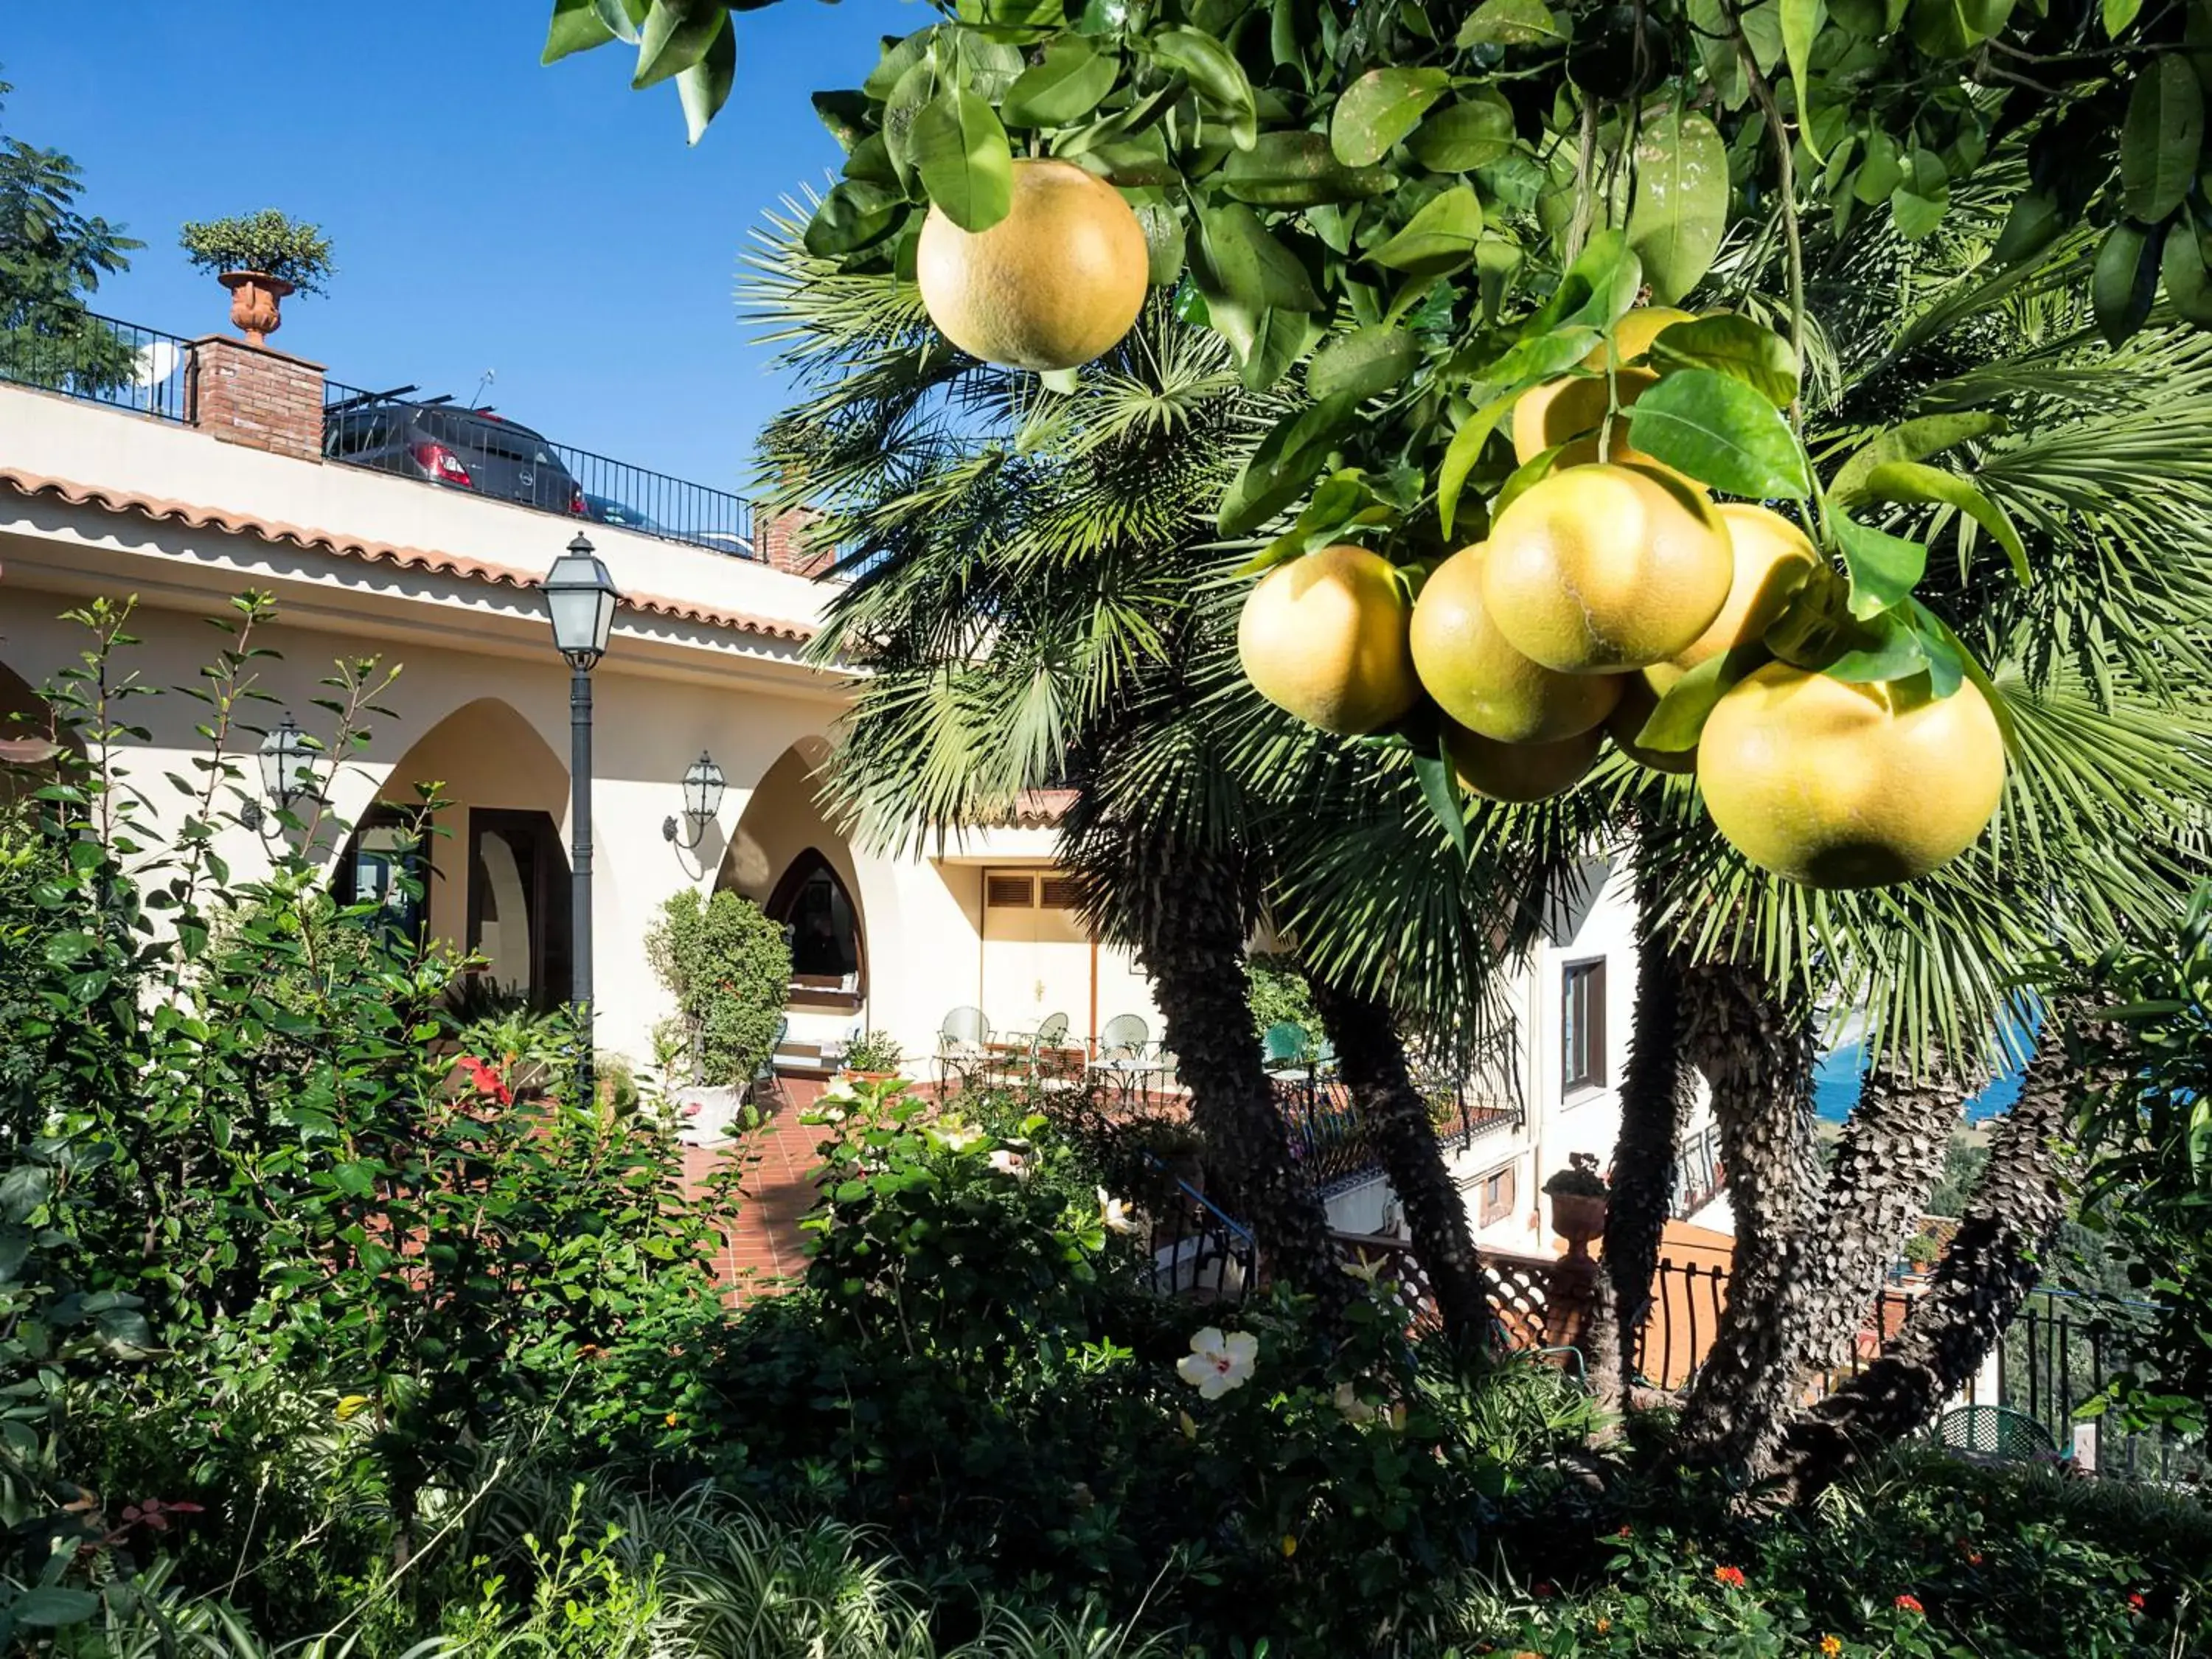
<point>1378,109</point>
<point>2118,13</point>
<point>1284,463</point>
<point>1722,433</point>
<point>1734,346</point>
<point>704,88</point>
<point>1679,718</point>
<point>1946,658</point>
<point>2032,225</point>
<point>1801,25</point>
<point>1509,24</point>
<point>1541,358</point>
<point>1244,261</point>
<point>1003,20</point>
<point>2188,284</point>
<point>899,57</point>
<point>1597,290</point>
<point>1439,781</point>
<point>1681,209</point>
<point>1363,363</point>
<point>1062,87</point>
<point>1216,75</point>
<point>961,152</point>
<point>1276,340</point>
<point>676,35</point>
<point>1884,568</point>
<point>1910,481</point>
<point>1888,648</point>
<point>1881,172</point>
<point>1914,440</point>
<point>1462,136</point>
<point>1298,169</point>
<point>577,26</point>
<point>845,113</point>
<point>2123,281</point>
<point>1464,450</point>
<point>852,216</point>
<point>2160,138</point>
<point>1919,203</point>
<point>1439,239</point>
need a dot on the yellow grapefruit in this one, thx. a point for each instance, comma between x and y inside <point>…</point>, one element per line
<point>1633,334</point>
<point>1600,569</point>
<point>1482,682</point>
<point>1849,785</point>
<point>1520,771</point>
<point>1056,282</point>
<point>1324,637</point>
<point>1560,410</point>
<point>1772,559</point>
<point>1639,696</point>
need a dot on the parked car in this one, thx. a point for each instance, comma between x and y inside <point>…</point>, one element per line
<point>605,509</point>
<point>459,448</point>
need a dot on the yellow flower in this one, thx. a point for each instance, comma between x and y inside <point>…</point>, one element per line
<point>1290,1546</point>
<point>1604,1624</point>
<point>1830,1647</point>
<point>673,1419</point>
<point>350,1406</point>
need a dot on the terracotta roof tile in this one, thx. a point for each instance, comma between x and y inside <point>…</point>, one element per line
<point>407,558</point>
<point>1042,809</point>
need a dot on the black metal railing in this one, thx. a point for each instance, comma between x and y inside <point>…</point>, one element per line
<point>632,498</point>
<point>1332,1140</point>
<point>99,359</point>
<point>1698,1175</point>
<point>1196,1248</point>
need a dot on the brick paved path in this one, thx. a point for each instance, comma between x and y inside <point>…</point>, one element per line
<point>763,1251</point>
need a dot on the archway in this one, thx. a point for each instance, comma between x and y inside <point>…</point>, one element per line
<point>487,853</point>
<point>829,949</point>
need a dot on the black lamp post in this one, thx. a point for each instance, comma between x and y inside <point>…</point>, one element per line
<point>580,597</point>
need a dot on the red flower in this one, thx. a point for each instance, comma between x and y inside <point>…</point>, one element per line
<point>2136,1599</point>
<point>1626,1532</point>
<point>1544,1591</point>
<point>486,1079</point>
<point>1910,1604</point>
<point>1732,1576</point>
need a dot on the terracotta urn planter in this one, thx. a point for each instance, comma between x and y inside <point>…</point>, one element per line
<point>851,1076</point>
<point>1579,1219</point>
<point>256,299</point>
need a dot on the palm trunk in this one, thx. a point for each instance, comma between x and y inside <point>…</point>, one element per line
<point>1755,1049</point>
<point>1654,1097</point>
<point>1887,1162</point>
<point>1372,1063</point>
<point>1979,1285</point>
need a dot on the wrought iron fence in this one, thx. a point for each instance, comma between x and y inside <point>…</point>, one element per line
<point>99,359</point>
<point>1197,1249</point>
<point>1699,1176</point>
<point>377,430</point>
<point>1332,1139</point>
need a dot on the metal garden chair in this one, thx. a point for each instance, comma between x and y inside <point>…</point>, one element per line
<point>1996,1432</point>
<point>963,1047</point>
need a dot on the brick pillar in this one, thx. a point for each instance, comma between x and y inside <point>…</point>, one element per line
<point>249,394</point>
<point>780,536</point>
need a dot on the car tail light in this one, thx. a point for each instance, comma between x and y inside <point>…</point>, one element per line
<point>441,463</point>
<point>576,499</point>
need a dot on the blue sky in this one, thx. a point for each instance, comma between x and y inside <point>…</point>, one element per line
<point>548,223</point>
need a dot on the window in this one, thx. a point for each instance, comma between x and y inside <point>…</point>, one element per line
<point>823,926</point>
<point>1010,892</point>
<point>384,865</point>
<point>1497,1196</point>
<point>1581,1026</point>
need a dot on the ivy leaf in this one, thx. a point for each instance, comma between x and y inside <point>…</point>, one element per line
<point>961,152</point>
<point>1439,239</point>
<point>1465,449</point>
<point>1063,86</point>
<point>1284,463</point>
<point>1732,345</point>
<point>1914,440</point>
<point>1363,363</point>
<point>1511,23</point>
<point>1800,25</point>
<point>1912,483</point>
<point>2160,139</point>
<point>2123,281</point>
<point>1463,137</point>
<point>704,88</point>
<point>1720,432</point>
<point>1298,169</point>
<point>676,35</point>
<point>1884,568</point>
<point>1378,109</point>
<point>1681,202</point>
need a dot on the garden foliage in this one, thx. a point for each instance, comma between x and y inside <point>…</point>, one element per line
<point>729,969</point>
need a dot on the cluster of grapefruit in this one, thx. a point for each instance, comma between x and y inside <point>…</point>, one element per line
<point>1598,588</point>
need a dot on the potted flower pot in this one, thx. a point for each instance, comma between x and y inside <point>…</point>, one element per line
<point>1579,1218</point>
<point>256,299</point>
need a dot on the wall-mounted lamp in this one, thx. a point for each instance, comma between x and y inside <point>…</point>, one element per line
<point>288,771</point>
<point>702,798</point>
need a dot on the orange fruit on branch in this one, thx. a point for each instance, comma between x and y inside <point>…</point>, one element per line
<point>1481,680</point>
<point>1324,637</point>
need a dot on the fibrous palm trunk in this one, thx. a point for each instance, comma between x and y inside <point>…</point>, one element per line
<point>1979,1285</point>
<point>1372,1063</point>
<point>1755,1049</point>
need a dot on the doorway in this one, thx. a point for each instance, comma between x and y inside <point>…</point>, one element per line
<point>519,905</point>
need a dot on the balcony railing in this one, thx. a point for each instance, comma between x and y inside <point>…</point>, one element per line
<point>83,355</point>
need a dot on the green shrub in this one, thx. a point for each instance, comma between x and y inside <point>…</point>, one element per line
<point>729,968</point>
<point>290,250</point>
<point>1279,992</point>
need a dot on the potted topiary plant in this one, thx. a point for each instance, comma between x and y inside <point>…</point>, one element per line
<point>260,258</point>
<point>1578,1194</point>
<point>872,1057</point>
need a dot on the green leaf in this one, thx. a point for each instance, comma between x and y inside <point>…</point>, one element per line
<point>1298,169</point>
<point>1910,481</point>
<point>899,58</point>
<point>1597,290</point>
<point>1363,363</point>
<point>2123,281</point>
<point>1762,32</point>
<point>2188,284</point>
<point>676,35</point>
<point>1801,25</point>
<point>1681,202</point>
<point>1164,241</point>
<point>1919,203</point>
<point>1244,261</point>
<point>1881,172</point>
<point>1952,28</point>
<point>845,113</point>
<point>1378,109</point>
<point>704,88</point>
<point>2118,13</point>
<point>1063,86</point>
<point>1946,658</point>
<point>1884,568</point>
<point>1461,137</point>
<point>1276,340</point>
<point>1720,432</point>
<point>852,216</point>
<point>1732,345</point>
<point>1439,781</point>
<point>1888,648</point>
<point>1465,449</point>
<point>961,152</point>
<point>1511,23</point>
<point>1010,19</point>
<point>2032,225</point>
<point>577,26</point>
<point>1914,440</point>
<point>44,1607</point>
<point>1679,719</point>
<point>1216,74</point>
<point>2160,139</point>
<point>1284,463</point>
<point>1441,238</point>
